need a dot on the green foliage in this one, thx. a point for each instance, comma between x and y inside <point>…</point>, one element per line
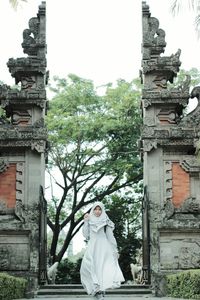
<point>93,146</point>
<point>124,209</point>
<point>11,287</point>
<point>194,73</point>
<point>185,284</point>
<point>68,272</point>
<point>128,252</point>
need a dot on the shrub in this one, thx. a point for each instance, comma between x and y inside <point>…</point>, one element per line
<point>11,287</point>
<point>185,284</point>
<point>68,272</point>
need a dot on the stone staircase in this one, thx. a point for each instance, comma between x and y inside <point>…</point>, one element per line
<point>68,290</point>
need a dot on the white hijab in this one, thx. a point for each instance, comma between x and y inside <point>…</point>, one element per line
<point>101,221</point>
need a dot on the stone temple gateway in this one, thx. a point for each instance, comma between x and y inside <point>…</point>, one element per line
<point>22,160</point>
<point>170,143</point>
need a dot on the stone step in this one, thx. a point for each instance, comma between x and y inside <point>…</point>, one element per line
<point>77,289</point>
<point>108,297</point>
<point>79,286</point>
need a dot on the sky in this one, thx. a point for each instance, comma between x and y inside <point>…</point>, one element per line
<point>96,39</point>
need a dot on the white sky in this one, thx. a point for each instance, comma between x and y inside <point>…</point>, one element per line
<point>96,39</point>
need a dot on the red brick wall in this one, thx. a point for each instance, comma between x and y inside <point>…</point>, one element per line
<point>180,184</point>
<point>8,186</point>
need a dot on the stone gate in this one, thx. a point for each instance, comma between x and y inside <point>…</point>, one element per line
<point>170,145</point>
<point>22,160</point>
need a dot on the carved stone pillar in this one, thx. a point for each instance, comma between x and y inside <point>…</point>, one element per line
<point>171,168</point>
<point>22,159</point>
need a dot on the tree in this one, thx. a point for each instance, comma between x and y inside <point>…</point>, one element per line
<point>93,146</point>
<point>15,3</point>
<point>192,4</point>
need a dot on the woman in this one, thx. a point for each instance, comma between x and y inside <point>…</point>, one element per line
<point>100,269</point>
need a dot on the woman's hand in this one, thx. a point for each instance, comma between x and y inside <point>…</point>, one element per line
<point>86,217</point>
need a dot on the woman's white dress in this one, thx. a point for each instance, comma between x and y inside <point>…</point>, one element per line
<point>100,269</point>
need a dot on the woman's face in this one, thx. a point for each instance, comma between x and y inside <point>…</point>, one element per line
<point>97,211</point>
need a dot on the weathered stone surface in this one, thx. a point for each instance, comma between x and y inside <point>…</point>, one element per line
<point>23,150</point>
<point>14,251</point>
<point>169,146</point>
<point>179,250</point>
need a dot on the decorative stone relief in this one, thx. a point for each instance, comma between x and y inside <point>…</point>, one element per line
<point>169,64</point>
<point>19,190</point>
<point>39,146</point>
<point>3,165</point>
<point>20,234</point>
<point>167,116</point>
<point>168,180</point>
<point>149,145</point>
<point>160,81</point>
<point>28,82</point>
<point>146,103</point>
<point>4,257</point>
<point>32,37</point>
<point>21,117</point>
<point>179,250</point>
<point>27,214</point>
<point>171,145</point>
<point>153,36</point>
<point>191,164</point>
<point>23,134</point>
<point>14,252</point>
<point>192,119</point>
<point>3,207</point>
<point>190,205</point>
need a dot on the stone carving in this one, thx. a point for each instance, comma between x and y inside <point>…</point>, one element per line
<point>171,167</point>
<point>153,37</point>
<point>39,146</point>
<point>14,252</point>
<point>160,81</point>
<point>23,134</point>
<point>3,207</point>
<point>28,82</point>
<point>19,211</point>
<point>23,142</point>
<point>169,64</point>
<point>33,38</point>
<point>175,95</point>
<point>168,180</point>
<point>191,164</point>
<point>149,145</point>
<point>27,214</point>
<point>184,250</point>
<point>3,165</point>
<point>190,205</point>
<point>19,190</point>
<point>146,103</point>
<point>21,117</point>
<point>192,119</point>
<point>167,116</point>
<point>4,258</point>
